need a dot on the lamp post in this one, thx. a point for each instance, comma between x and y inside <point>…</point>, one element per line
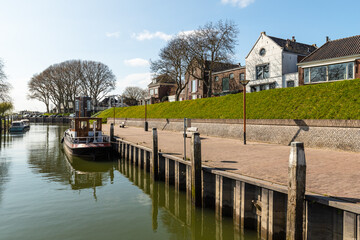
<point>244,83</point>
<point>146,123</point>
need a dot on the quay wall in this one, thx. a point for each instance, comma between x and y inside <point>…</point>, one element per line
<point>252,203</point>
<point>332,134</point>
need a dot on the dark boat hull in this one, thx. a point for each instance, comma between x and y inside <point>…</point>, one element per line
<point>90,151</point>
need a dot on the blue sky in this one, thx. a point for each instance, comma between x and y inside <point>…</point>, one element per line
<point>125,34</point>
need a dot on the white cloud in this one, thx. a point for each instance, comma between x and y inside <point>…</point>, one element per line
<point>134,80</point>
<point>137,62</point>
<point>146,35</point>
<point>113,34</point>
<point>185,33</point>
<point>239,3</point>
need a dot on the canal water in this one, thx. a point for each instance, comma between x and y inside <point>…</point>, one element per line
<point>45,194</point>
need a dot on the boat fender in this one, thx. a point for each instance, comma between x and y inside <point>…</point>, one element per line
<point>62,140</point>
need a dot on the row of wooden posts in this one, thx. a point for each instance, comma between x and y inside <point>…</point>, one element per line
<point>296,186</point>
<point>5,123</point>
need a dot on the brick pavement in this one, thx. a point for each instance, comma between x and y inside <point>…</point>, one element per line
<point>329,172</point>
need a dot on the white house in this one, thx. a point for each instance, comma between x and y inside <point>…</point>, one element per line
<point>272,63</point>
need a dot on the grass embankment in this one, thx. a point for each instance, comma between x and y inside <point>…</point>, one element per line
<point>337,100</point>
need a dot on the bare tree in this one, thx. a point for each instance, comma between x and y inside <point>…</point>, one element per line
<point>38,90</point>
<point>208,46</point>
<point>173,63</point>
<point>4,85</point>
<point>61,83</point>
<point>97,80</point>
<point>133,95</point>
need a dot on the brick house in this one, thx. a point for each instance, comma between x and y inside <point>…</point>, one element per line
<point>196,88</point>
<point>272,62</point>
<point>228,81</point>
<point>335,60</point>
<point>161,88</point>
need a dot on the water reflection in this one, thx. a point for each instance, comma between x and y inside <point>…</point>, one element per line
<point>45,154</point>
<point>175,211</point>
<point>87,174</point>
<point>4,163</point>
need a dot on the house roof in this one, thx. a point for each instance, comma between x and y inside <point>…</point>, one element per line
<point>293,46</point>
<point>335,49</point>
<point>219,66</point>
<point>288,45</point>
<point>162,79</point>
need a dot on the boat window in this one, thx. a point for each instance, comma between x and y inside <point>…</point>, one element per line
<point>83,124</point>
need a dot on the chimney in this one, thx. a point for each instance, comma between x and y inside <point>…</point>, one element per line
<point>327,38</point>
<point>239,64</point>
<point>287,42</point>
<point>264,33</point>
<point>293,39</point>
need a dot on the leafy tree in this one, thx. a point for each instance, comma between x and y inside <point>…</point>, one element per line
<point>5,107</point>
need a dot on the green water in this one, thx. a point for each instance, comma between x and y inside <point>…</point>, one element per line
<point>44,194</point>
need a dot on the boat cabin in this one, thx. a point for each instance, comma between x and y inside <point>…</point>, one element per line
<point>84,129</point>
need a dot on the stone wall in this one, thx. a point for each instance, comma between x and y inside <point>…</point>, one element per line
<point>330,134</point>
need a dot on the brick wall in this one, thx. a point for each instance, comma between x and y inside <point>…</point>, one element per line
<point>301,76</point>
<point>357,68</point>
<point>234,84</point>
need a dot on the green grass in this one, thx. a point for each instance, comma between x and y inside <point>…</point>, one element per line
<point>337,100</point>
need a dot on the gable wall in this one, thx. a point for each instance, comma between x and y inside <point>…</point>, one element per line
<point>273,56</point>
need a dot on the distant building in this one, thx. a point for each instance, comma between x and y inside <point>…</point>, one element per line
<point>83,106</point>
<point>335,60</point>
<point>272,62</point>
<point>228,81</point>
<point>196,88</point>
<point>161,88</point>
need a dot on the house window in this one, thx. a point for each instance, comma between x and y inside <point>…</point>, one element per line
<point>318,74</point>
<point>341,71</point>
<point>262,52</point>
<point>231,76</point>
<point>290,84</point>
<point>216,78</point>
<point>193,86</point>
<point>253,89</point>
<point>156,91</point>
<point>306,75</point>
<point>332,72</point>
<point>225,84</point>
<point>272,85</point>
<point>262,71</point>
<point>151,91</point>
<point>242,76</point>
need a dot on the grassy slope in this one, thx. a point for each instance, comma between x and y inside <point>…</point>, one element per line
<point>337,100</point>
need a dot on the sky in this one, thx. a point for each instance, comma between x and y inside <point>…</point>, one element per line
<point>125,34</point>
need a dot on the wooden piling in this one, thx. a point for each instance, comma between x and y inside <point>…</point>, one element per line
<point>196,170</point>
<point>111,132</point>
<point>296,192</point>
<point>155,156</point>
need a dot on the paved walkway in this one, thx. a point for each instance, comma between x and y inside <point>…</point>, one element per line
<point>329,172</point>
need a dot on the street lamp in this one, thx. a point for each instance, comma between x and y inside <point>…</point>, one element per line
<point>244,83</point>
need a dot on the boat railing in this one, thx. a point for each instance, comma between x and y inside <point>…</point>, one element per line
<point>97,139</point>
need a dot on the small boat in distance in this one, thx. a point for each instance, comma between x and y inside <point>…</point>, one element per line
<point>26,123</point>
<point>84,139</point>
<point>17,126</point>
